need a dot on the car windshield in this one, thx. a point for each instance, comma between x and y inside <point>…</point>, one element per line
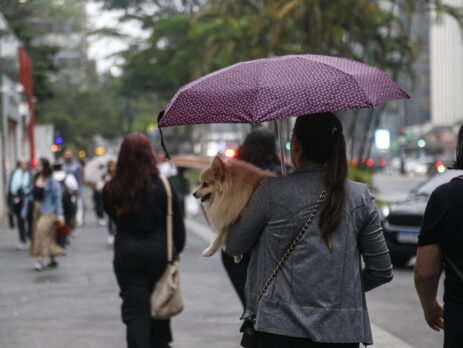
<point>427,187</point>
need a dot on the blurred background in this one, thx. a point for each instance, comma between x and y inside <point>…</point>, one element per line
<point>81,74</point>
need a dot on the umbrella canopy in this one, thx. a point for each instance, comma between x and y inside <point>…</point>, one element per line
<point>190,161</point>
<point>279,87</point>
<point>96,167</point>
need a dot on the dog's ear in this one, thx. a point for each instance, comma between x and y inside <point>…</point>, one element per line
<point>218,166</point>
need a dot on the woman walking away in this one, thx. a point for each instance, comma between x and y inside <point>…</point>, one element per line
<point>19,185</point>
<point>136,200</point>
<point>47,206</point>
<point>441,242</point>
<point>258,149</point>
<point>111,169</point>
<point>317,297</point>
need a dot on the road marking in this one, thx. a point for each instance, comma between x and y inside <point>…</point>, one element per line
<point>381,337</point>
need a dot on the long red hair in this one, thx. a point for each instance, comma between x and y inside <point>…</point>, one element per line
<point>136,171</point>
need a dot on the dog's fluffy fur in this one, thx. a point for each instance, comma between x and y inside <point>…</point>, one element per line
<point>225,190</point>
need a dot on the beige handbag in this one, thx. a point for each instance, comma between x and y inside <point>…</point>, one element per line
<point>166,299</point>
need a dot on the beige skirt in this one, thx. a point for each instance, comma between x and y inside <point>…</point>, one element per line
<point>44,233</point>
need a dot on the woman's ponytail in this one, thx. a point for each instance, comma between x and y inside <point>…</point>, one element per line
<point>323,142</point>
<point>335,183</point>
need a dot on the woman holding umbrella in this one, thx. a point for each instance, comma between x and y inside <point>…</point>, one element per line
<point>317,298</point>
<point>316,294</point>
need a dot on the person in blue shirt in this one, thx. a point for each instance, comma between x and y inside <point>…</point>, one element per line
<point>19,184</point>
<point>46,198</point>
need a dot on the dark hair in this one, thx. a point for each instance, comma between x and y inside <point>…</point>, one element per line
<point>46,171</point>
<point>459,162</point>
<point>136,171</point>
<point>259,148</point>
<point>323,142</point>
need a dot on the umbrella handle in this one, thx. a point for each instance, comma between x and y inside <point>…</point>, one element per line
<point>161,114</point>
<point>282,156</point>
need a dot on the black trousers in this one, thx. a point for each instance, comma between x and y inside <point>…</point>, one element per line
<point>23,235</point>
<point>453,325</point>
<point>266,340</point>
<point>237,272</point>
<point>98,200</point>
<point>139,262</point>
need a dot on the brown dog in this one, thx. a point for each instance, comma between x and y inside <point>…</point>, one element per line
<point>225,190</point>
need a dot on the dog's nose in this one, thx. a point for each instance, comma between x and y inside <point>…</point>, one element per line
<point>195,194</point>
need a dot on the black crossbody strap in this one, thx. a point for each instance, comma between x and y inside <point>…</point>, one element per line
<point>292,246</point>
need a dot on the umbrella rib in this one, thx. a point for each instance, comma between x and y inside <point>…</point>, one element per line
<point>344,73</point>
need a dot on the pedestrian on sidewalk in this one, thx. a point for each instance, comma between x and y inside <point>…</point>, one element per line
<point>98,196</point>
<point>440,246</point>
<point>69,191</point>
<point>45,194</point>
<point>73,166</point>
<point>181,186</point>
<point>111,226</point>
<point>136,200</point>
<point>19,184</point>
<point>258,149</point>
<point>317,298</point>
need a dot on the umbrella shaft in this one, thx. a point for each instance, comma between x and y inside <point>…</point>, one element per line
<point>282,155</point>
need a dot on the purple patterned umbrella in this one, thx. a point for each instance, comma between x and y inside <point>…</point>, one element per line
<point>279,87</point>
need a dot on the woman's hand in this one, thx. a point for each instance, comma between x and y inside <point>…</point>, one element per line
<point>435,316</point>
<point>61,222</point>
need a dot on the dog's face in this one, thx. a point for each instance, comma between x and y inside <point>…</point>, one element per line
<point>211,182</point>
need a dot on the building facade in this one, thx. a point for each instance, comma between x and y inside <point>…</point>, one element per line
<point>67,29</point>
<point>446,61</point>
<point>16,106</point>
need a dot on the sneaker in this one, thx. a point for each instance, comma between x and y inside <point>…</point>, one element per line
<point>110,240</point>
<point>52,264</point>
<point>22,246</point>
<point>102,222</point>
<point>38,266</point>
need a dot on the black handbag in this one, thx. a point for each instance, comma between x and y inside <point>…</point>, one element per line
<point>249,338</point>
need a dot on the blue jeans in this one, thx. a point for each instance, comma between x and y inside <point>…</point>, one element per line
<point>111,227</point>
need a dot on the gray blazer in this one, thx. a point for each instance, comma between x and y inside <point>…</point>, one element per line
<point>318,294</point>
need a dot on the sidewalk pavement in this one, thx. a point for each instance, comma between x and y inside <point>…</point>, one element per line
<point>77,305</point>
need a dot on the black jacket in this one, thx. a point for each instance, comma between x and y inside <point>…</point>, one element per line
<point>150,219</point>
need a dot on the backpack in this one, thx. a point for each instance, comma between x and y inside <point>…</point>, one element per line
<point>68,204</point>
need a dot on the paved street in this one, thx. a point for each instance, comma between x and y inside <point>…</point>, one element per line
<point>77,305</point>
<point>395,187</point>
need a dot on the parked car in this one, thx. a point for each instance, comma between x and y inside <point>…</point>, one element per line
<point>402,220</point>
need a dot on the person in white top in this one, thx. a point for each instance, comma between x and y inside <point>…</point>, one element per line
<point>70,191</point>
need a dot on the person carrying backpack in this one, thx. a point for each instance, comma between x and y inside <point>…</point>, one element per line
<point>69,189</point>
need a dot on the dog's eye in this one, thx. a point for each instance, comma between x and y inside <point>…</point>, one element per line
<point>205,184</point>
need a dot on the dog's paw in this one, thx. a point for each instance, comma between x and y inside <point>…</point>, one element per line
<point>208,252</point>
<point>237,258</point>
